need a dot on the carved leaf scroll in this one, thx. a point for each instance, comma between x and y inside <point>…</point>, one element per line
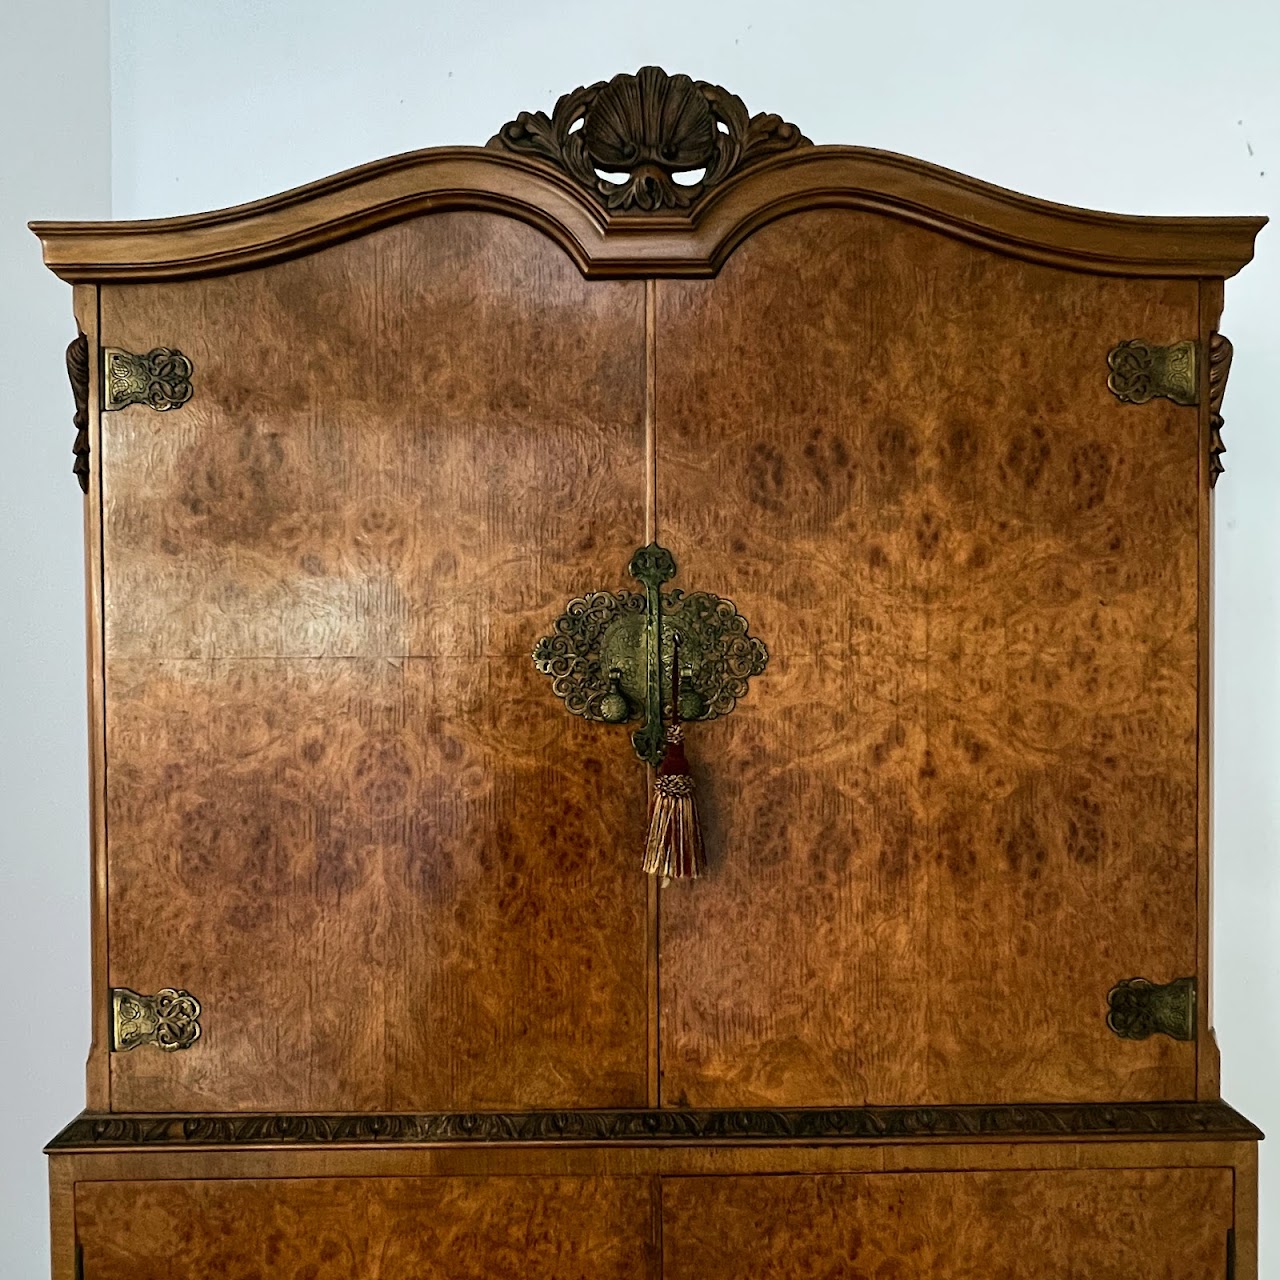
<point>645,129</point>
<point>78,374</point>
<point>1220,351</point>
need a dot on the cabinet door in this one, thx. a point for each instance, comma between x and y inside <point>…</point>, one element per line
<point>961,804</point>
<point>342,808</point>
<point>1111,1224</point>
<point>442,1228</point>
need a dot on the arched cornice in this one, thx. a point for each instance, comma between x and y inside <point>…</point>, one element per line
<point>697,176</point>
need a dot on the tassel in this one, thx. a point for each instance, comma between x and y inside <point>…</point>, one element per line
<point>674,847</point>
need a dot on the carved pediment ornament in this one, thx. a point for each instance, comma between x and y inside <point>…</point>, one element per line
<point>628,138</point>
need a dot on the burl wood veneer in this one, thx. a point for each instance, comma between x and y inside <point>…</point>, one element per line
<point>977,736</point>
<point>964,1226</point>
<point>374,1228</point>
<point>950,451</point>
<point>333,751</point>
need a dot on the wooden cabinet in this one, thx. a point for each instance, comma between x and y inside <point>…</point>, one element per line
<point>381,986</point>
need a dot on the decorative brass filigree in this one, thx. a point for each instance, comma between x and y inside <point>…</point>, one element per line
<point>78,374</point>
<point>170,1020</point>
<point>608,653</point>
<point>1139,1008</point>
<point>1141,371</point>
<point>160,379</point>
<point>1220,351</point>
<point>625,140</point>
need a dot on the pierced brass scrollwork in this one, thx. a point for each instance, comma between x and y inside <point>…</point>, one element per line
<point>170,1020</point>
<point>609,653</point>
<point>1139,1008</point>
<point>160,379</point>
<point>1141,371</point>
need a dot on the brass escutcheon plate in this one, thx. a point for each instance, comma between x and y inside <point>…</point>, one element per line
<point>598,654</point>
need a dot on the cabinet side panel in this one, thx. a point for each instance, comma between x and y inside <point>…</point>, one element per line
<point>1208,1065</point>
<point>97,1068</point>
<point>960,805</point>
<point>345,810</point>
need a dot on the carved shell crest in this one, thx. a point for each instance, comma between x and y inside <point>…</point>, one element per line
<point>626,139</point>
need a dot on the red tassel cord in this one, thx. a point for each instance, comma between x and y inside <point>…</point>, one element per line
<point>674,848</point>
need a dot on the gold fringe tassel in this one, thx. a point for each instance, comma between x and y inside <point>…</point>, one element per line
<point>673,849</point>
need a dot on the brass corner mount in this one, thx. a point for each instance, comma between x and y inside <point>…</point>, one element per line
<point>1138,1008</point>
<point>169,1020</point>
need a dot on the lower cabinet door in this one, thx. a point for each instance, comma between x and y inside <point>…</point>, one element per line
<point>1113,1224</point>
<point>436,1228</point>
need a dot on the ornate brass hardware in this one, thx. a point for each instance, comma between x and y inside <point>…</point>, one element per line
<point>1139,1008</point>
<point>1141,371</point>
<point>608,653</point>
<point>160,379</point>
<point>170,1020</point>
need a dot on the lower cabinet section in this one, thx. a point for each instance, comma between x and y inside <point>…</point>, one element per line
<point>164,1208</point>
<point>1123,1224</point>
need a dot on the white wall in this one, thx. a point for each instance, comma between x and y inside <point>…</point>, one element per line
<point>54,162</point>
<point>1142,107</point>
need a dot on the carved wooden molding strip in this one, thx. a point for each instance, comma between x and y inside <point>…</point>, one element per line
<point>1210,1120</point>
<point>649,129</point>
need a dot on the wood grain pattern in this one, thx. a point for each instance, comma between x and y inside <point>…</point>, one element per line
<point>1208,1064</point>
<point>961,804</point>
<point>343,811</point>
<point>1120,1225</point>
<point>1246,1181</point>
<point>376,1229</point>
<point>695,243</point>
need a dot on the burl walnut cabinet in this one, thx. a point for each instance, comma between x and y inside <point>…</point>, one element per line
<point>382,988</point>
